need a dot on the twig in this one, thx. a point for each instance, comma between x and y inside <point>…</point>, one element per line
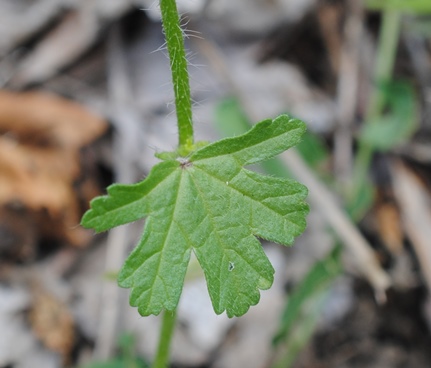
<point>79,29</point>
<point>107,331</point>
<point>118,238</point>
<point>17,28</point>
<point>325,202</point>
<point>347,90</point>
<point>416,215</point>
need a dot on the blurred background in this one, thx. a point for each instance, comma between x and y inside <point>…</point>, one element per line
<point>86,100</point>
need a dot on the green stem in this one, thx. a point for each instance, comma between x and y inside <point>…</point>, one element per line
<point>166,333</point>
<point>386,53</point>
<point>180,75</point>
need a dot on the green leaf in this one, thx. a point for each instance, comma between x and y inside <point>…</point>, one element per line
<point>398,124</point>
<point>230,117</point>
<point>316,283</point>
<point>410,6</point>
<point>126,357</point>
<point>303,309</point>
<point>209,204</point>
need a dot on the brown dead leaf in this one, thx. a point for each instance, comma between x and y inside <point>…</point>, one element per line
<point>40,140</point>
<point>389,226</point>
<point>35,116</point>
<point>52,323</point>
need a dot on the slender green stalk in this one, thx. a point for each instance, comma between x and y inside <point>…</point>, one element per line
<point>166,333</point>
<point>386,53</point>
<point>180,75</point>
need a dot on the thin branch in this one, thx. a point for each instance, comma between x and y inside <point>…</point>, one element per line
<point>347,90</point>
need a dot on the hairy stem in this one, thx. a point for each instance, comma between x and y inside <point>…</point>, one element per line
<point>166,333</point>
<point>180,75</point>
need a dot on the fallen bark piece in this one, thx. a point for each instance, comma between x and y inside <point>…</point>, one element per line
<point>41,136</point>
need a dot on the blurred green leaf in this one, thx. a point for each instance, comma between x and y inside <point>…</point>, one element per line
<point>362,201</point>
<point>311,289</point>
<point>312,150</point>
<point>126,357</point>
<point>230,118</point>
<point>303,309</point>
<point>410,6</point>
<point>300,334</point>
<point>119,363</point>
<point>398,124</point>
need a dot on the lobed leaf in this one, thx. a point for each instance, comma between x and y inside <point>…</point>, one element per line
<point>211,205</point>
